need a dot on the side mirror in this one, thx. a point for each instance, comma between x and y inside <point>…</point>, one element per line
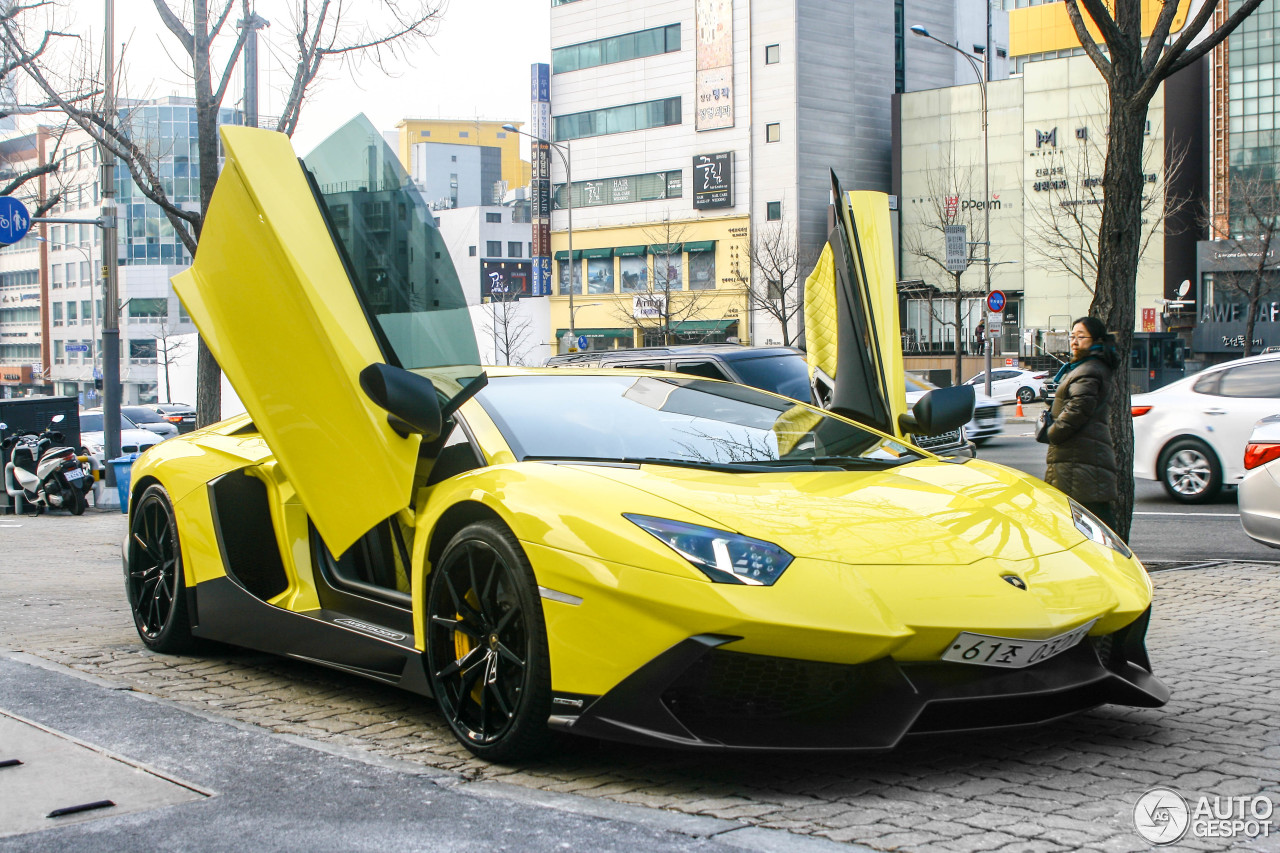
<point>940,410</point>
<point>3,426</point>
<point>57,419</point>
<point>411,400</point>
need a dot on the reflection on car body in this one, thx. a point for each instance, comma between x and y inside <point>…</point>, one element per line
<point>638,556</point>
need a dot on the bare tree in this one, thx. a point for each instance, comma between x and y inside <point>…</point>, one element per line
<point>509,326</point>
<point>345,31</point>
<point>1133,66</point>
<point>170,349</point>
<point>950,188</point>
<point>774,273</point>
<point>663,301</point>
<point>1253,232</point>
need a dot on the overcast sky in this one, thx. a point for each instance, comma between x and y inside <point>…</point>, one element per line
<point>477,66</point>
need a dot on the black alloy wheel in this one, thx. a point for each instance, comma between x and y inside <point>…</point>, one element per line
<point>487,645</point>
<point>154,581</point>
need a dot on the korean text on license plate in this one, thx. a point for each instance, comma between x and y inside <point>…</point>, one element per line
<point>986,650</point>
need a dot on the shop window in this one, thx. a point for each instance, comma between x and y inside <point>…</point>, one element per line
<point>634,273</point>
<point>600,275</point>
<point>702,270</point>
<point>667,272</point>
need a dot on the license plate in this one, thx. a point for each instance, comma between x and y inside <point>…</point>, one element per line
<point>986,650</point>
<point>75,474</point>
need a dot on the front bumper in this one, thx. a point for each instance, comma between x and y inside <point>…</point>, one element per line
<point>699,695</point>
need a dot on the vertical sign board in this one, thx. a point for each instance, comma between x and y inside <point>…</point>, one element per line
<point>957,248</point>
<point>713,181</point>
<point>540,77</point>
<point>713,83</point>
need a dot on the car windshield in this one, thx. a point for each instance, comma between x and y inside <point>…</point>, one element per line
<point>92,422</point>
<point>675,420</point>
<point>143,416</point>
<point>787,375</point>
<point>394,255</point>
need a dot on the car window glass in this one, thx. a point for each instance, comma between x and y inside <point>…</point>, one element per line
<point>640,365</point>
<point>787,375</point>
<point>1207,384</point>
<point>705,369</point>
<point>143,416</point>
<point>1252,380</point>
<point>615,417</point>
<point>394,254</point>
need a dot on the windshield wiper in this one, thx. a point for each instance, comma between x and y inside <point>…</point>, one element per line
<point>844,463</point>
<point>744,467</point>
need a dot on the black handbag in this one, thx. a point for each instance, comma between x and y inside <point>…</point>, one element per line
<point>1042,430</point>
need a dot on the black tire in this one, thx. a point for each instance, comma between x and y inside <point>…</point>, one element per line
<point>486,645</point>
<point>74,499</point>
<point>154,581</point>
<point>1190,471</point>
<point>1026,395</point>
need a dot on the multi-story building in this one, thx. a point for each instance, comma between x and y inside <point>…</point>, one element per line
<point>512,171</point>
<point>694,127</point>
<point>23,357</point>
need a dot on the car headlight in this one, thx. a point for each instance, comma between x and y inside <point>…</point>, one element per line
<point>722,556</point>
<point>1089,524</point>
<point>94,449</point>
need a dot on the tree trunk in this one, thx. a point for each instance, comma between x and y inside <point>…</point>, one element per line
<point>1114,299</point>
<point>208,375</point>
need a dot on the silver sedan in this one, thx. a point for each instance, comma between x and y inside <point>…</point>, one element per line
<point>1260,488</point>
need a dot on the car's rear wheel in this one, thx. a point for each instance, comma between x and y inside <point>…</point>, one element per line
<point>1190,471</point>
<point>1026,395</point>
<point>154,582</point>
<point>487,645</point>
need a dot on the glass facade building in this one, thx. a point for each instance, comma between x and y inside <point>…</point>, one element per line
<point>1253,63</point>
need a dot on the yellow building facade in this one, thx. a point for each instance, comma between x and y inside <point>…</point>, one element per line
<point>515,172</point>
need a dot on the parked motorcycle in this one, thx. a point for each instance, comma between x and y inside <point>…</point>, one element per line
<point>40,472</point>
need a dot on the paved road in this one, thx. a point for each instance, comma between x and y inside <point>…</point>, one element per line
<point>1068,786</point>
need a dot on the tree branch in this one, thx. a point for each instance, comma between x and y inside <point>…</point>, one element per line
<point>175,26</point>
<point>1086,39</point>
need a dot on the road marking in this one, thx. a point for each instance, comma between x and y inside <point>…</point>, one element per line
<point>1196,514</point>
<point>10,525</point>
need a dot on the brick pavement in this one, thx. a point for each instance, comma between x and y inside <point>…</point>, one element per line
<point>1067,786</point>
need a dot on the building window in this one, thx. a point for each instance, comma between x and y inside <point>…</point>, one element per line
<point>624,189</point>
<point>57,313</point>
<point>513,248</point>
<point>58,276</point>
<point>531,250</point>
<point>607,51</point>
<point>86,310</point>
<point>702,270</point>
<point>772,54</point>
<point>501,135</point>
<point>424,133</point>
<point>773,211</point>
<point>463,134</point>
<point>493,217</point>
<point>664,112</point>
<point>775,290</point>
<point>71,313</point>
<point>493,248</point>
<point>149,310</point>
<point>142,352</point>
<point>471,250</point>
<point>773,132</point>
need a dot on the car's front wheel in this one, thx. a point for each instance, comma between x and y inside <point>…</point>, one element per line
<point>487,645</point>
<point>1026,395</point>
<point>1190,471</point>
<point>154,582</point>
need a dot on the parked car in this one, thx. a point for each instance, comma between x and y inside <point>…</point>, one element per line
<point>781,370</point>
<point>181,415</point>
<point>988,413</point>
<point>1013,383</point>
<point>1191,435</point>
<point>148,419</point>
<point>1260,488</point>
<point>133,439</point>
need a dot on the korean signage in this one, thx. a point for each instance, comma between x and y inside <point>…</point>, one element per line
<point>957,247</point>
<point>540,108</point>
<point>714,80</point>
<point>713,181</point>
<point>648,306</point>
<point>505,280</point>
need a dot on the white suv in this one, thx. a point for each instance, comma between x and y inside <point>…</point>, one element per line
<point>1191,435</point>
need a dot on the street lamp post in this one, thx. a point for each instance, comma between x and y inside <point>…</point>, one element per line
<point>986,184</point>
<point>566,158</point>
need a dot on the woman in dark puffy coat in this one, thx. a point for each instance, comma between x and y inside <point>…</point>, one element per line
<point>1081,460</point>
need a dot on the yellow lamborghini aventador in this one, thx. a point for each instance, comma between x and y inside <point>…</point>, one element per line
<point>638,556</point>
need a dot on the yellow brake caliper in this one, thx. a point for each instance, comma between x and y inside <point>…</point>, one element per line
<point>462,644</point>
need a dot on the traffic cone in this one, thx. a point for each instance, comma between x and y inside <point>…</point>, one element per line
<point>1017,413</point>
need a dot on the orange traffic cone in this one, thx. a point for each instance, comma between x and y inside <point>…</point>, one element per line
<point>1017,413</point>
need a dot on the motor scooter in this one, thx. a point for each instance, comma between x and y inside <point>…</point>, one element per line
<point>40,473</point>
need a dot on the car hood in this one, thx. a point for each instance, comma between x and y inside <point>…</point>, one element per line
<point>127,436</point>
<point>927,512</point>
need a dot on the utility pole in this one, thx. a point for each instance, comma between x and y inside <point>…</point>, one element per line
<point>110,268</point>
<point>254,23</point>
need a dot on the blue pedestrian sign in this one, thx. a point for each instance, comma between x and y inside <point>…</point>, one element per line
<point>582,342</point>
<point>14,220</point>
<point>995,301</point>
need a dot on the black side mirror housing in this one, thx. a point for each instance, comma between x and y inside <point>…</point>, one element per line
<point>940,410</point>
<point>411,401</point>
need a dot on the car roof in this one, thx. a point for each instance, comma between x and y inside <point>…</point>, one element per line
<point>729,352</point>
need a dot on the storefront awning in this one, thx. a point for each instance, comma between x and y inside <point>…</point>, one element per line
<point>631,251</point>
<point>597,253</point>
<point>701,246</point>
<point>703,325</point>
<point>666,248</point>
<point>563,255</point>
<point>626,334</point>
